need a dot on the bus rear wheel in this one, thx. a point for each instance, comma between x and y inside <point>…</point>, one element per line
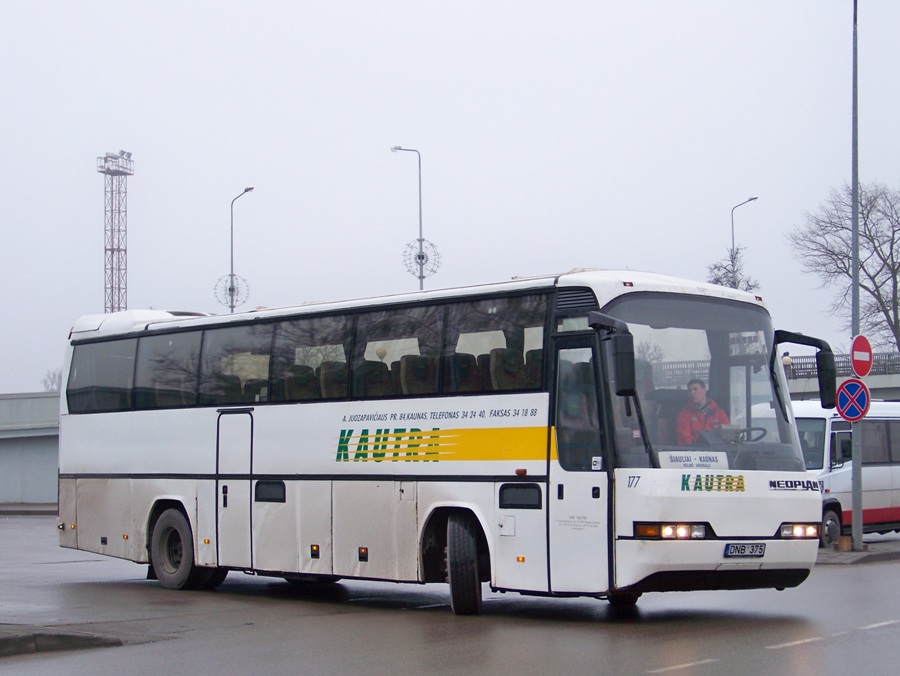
<point>462,565</point>
<point>172,553</point>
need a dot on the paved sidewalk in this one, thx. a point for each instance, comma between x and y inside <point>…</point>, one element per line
<point>876,549</point>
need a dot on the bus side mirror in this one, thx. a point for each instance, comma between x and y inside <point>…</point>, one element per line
<point>623,356</point>
<point>827,375</point>
<point>825,370</point>
<point>621,344</point>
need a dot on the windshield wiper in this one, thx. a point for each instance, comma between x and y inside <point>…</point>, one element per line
<point>642,426</point>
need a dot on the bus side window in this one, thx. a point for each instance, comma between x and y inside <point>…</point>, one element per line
<point>301,350</point>
<point>504,335</point>
<point>894,441</point>
<point>396,351</point>
<point>875,450</point>
<point>101,377</point>
<point>232,356</point>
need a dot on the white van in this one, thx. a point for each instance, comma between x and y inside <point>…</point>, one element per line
<point>826,441</point>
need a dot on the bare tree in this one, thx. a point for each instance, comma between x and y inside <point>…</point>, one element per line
<point>652,352</point>
<point>730,272</point>
<point>52,380</point>
<point>823,246</point>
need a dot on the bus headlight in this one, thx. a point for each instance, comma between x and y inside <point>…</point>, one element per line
<point>799,531</point>
<point>670,531</point>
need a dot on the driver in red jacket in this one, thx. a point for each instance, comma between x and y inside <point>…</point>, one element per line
<point>698,414</point>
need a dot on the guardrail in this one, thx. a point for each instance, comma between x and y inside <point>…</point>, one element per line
<point>678,373</point>
<point>883,364</point>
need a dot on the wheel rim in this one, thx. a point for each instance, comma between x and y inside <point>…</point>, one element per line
<point>831,530</point>
<point>173,549</point>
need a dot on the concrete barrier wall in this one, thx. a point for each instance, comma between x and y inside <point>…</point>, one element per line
<point>29,447</point>
<point>28,470</point>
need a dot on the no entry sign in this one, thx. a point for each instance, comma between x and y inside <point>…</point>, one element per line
<point>853,400</point>
<point>861,356</point>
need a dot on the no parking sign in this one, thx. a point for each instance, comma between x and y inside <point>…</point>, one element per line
<point>853,400</point>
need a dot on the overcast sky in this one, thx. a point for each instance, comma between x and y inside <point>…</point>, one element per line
<point>553,135</point>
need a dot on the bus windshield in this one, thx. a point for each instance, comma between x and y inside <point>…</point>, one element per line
<point>711,393</point>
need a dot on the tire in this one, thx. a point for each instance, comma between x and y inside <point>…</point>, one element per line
<point>214,577</point>
<point>302,580</point>
<point>830,529</point>
<point>172,553</point>
<point>623,600</point>
<point>462,565</point>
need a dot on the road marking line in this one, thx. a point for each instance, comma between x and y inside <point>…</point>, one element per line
<point>878,625</point>
<point>678,667</point>
<point>791,644</point>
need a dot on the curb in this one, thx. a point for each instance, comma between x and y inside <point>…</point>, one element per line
<point>856,558</point>
<point>26,640</point>
<point>878,557</point>
<point>875,551</point>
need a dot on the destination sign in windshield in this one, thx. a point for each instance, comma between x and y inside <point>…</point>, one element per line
<point>693,460</point>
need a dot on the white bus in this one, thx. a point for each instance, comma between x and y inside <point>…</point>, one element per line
<point>826,440</point>
<point>503,433</point>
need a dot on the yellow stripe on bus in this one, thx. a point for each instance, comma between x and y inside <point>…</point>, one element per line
<point>456,445</point>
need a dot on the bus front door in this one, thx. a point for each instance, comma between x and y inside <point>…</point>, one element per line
<point>579,488</point>
<point>234,458</point>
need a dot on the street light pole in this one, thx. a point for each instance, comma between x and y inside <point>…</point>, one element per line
<point>734,283</point>
<point>231,272</point>
<point>856,521</point>
<point>421,257</point>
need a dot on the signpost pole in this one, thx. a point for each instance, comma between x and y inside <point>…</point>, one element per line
<point>856,523</point>
<point>861,361</point>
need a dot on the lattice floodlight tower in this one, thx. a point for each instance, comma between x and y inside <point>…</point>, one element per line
<point>117,167</point>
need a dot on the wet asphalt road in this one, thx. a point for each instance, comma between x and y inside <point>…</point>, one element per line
<point>844,616</point>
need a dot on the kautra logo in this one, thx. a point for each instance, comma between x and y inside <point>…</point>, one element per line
<point>729,483</point>
<point>392,445</point>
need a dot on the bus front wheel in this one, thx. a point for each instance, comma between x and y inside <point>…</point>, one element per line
<point>172,553</point>
<point>462,565</point>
